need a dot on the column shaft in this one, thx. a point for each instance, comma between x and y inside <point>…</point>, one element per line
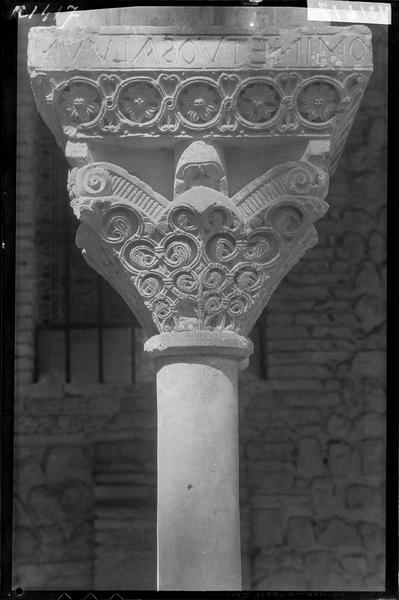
<point>198,476</point>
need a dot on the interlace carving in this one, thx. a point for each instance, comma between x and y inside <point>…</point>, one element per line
<point>204,261</point>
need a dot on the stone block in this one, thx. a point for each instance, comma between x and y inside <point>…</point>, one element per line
<point>370,310</point>
<point>267,528</point>
<point>340,459</point>
<point>271,482</point>
<point>80,542</point>
<point>271,452</point>
<point>300,532</point>
<point>128,451</point>
<point>68,463</point>
<point>324,500</point>
<point>373,537</point>
<point>357,220</point>
<point>355,563</point>
<point>351,246</point>
<point>284,580</point>
<point>52,545</point>
<point>25,544</point>
<point>373,391</point>
<point>291,560</point>
<point>104,405</point>
<point>368,279</point>
<point>338,427</point>
<point>310,458</point>
<point>369,362</point>
<point>324,385</point>
<point>339,533</point>
<point>57,502</point>
<point>369,425</point>
<point>374,583</point>
<point>306,399</point>
<point>126,570</point>
<point>28,474</point>
<point>21,515</point>
<point>327,581</point>
<point>373,457</point>
<point>377,247</point>
<point>304,371</point>
<point>365,498</point>
<point>77,501</point>
<point>320,560</point>
<point>295,417</point>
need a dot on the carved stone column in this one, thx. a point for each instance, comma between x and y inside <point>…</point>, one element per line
<point>201,160</point>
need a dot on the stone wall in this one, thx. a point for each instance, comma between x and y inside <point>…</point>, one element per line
<point>312,435</point>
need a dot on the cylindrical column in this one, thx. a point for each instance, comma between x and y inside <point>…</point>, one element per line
<point>198,471</point>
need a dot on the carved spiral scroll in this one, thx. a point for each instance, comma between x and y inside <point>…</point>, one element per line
<point>286,218</point>
<point>120,224</point>
<point>204,267</point>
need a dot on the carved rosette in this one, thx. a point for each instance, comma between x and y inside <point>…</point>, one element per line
<point>204,261</point>
<point>187,104</point>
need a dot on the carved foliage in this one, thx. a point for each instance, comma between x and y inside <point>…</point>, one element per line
<point>222,103</point>
<point>200,263</point>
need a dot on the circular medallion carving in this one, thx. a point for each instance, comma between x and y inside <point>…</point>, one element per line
<point>258,102</point>
<point>140,101</point>
<point>80,101</point>
<point>318,102</point>
<point>119,224</point>
<point>199,102</point>
<point>287,219</point>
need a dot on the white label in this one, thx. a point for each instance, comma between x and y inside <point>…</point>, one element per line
<point>352,12</point>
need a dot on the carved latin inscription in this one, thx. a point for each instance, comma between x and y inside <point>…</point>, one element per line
<point>134,48</point>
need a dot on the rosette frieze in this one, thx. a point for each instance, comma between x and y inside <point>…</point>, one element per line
<point>203,262</point>
<point>151,86</point>
<point>190,105</point>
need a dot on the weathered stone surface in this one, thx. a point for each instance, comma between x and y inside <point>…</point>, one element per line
<point>374,394</point>
<point>323,495</point>
<point>339,533</point>
<point>300,532</point>
<point>67,462</point>
<point>338,427</point>
<point>370,362</point>
<point>364,498</point>
<point>25,543</point>
<point>373,537</point>
<point>267,528</point>
<point>355,563</point>
<point>310,458</point>
<point>373,459</point>
<point>334,330</point>
<point>369,425</point>
<point>370,311</point>
<point>284,580</point>
<point>340,459</point>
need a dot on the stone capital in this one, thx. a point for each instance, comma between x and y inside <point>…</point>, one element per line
<point>204,261</point>
<point>157,122</point>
